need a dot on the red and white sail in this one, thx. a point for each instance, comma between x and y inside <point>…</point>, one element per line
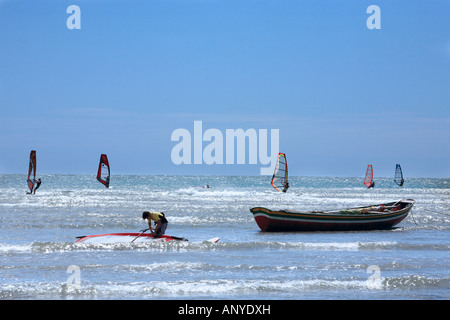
<point>104,172</point>
<point>369,176</point>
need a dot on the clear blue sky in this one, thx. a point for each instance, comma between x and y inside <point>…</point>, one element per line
<point>341,95</point>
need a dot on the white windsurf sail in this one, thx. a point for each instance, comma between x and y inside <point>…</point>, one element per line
<point>399,175</point>
<point>280,175</point>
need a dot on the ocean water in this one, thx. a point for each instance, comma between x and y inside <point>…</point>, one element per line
<point>39,259</point>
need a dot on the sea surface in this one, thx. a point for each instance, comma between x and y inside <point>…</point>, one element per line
<point>40,260</point>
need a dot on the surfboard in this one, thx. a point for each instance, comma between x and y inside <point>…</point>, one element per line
<point>213,240</point>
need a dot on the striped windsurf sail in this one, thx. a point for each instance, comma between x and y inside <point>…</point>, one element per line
<point>369,176</point>
<point>398,175</point>
<point>31,179</point>
<point>103,173</point>
<point>280,175</point>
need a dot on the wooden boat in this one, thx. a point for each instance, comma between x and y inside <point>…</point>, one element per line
<point>375,217</point>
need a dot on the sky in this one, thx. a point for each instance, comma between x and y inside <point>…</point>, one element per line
<point>341,94</point>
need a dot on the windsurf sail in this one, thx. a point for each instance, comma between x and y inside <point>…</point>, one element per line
<point>31,180</point>
<point>103,173</point>
<point>280,175</point>
<point>369,176</point>
<point>398,175</point>
<point>125,237</point>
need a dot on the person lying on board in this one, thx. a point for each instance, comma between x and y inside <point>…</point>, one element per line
<point>38,184</point>
<point>160,222</point>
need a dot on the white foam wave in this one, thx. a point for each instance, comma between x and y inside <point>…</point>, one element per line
<point>14,248</point>
<point>185,246</point>
<point>218,288</point>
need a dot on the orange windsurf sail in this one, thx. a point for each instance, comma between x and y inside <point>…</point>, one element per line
<point>369,176</point>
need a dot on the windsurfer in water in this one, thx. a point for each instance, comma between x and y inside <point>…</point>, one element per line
<point>160,222</point>
<point>286,186</point>
<point>372,185</point>
<point>38,184</point>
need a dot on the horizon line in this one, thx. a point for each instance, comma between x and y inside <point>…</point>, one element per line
<point>218,175</point>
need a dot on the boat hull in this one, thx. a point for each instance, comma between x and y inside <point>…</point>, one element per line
<point>284,220</point>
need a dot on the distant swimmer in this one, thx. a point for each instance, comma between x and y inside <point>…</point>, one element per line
<point>159,220</point>
<point>38,184</point>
